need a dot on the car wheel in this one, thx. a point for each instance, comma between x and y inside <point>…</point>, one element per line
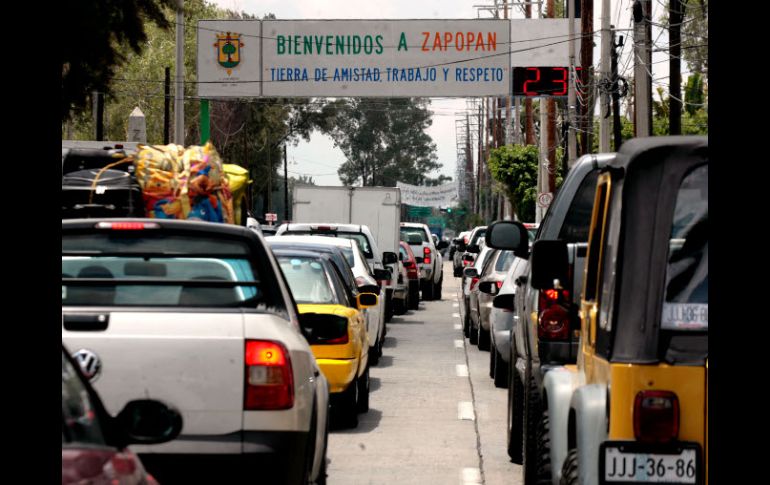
<point>483,338</point>
<point>437,290</point>
<point>501,370</point>
<point>492,365</point>
<point>466,322</point>
<point>414,297</point>
<point>398,307</point>
<point>363,391</point>
<point>569,471</point>
<point>427,291</point>
<point>543,450</point>
<point>349,408</point>
<point>321,478</point>
<point>375,352</point>
<point>515,414</point>
<point>474,336</point>
<point>532,416</point>
<point>388,310</point>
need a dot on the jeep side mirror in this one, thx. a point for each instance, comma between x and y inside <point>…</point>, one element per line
<point>489,287</point>
<point>389,257</point>
<point>505,301</point>
<point>509,235</point>
<point>442,245</point>
<point>473,248</point>
<point>550,262</point>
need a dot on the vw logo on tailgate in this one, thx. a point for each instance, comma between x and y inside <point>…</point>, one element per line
<point>89,362</point>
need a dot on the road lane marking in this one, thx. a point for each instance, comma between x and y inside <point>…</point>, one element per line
<point>455,315</point>
<point>462,370</point>
<point>470,476</point>
<point>456,305</point>
<point>458,326</point>
<point>465,411</point>
<point>459,344</point>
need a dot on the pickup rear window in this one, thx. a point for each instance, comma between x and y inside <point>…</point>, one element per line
<point>159,270</point>
<point>360,238</point>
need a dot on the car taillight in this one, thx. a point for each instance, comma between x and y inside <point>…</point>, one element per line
<point>465,240</point>
<point>473,282</point>
<point>426,255</point>
<point>269,381</point>
<point>656,416</point>
<point>499,284</point>
<point>553,322</point>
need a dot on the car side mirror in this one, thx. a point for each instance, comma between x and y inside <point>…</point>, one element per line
<point>468,257</point>
<point>442,245</point>
<point>389,257</point>
<point>381,274</point>
<point>369,289</point>
<point>489,287</point>
<point>473,248</point>
<point>471,273</point>
<point>366,300</point>
<point>505,301</point>
<point>550,262</point>
<point>461,245</point>
<point>509,235</point>
<point>148,422</point>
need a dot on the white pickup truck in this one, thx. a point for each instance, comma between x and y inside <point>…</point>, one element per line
<point>197,315</point>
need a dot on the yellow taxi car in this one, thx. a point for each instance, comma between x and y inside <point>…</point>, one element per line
<point>335,325</point>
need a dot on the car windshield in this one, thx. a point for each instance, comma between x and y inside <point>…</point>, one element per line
<point>132,270</point>
<point>308,280</point>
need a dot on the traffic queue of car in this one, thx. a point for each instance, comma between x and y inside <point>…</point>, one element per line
<point>250,346</point>
<point>599,328</point>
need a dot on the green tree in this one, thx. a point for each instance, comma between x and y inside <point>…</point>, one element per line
<point>515,168</point>
<point>100,34</point>
<point>383,139</point>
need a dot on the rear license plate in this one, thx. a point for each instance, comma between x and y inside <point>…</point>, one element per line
<point>632,462</point>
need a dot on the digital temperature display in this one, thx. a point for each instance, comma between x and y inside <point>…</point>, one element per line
<point>541,81</point>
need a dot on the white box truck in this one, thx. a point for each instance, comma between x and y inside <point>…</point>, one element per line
<point>379,208</point>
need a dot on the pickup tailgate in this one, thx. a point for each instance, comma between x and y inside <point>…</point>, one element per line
<point>191,360</point>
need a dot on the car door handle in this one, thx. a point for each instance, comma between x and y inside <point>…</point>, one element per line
<point>86,322</point>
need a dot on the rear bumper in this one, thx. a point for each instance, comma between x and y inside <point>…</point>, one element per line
<point>268,454</point>
<point>339,372</point>
<point>231,444</point>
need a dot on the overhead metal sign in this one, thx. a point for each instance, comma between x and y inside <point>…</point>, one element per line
<point>385,57</point>
<point>229,58</point>
<point>542,42</point>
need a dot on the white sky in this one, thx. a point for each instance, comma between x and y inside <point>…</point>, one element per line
<point>320,159</point>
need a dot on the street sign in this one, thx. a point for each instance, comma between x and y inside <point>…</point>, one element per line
<point>271,216</point>
<point>542,42</point>
<point>414,211</point>
<point>385,58</point>
<point>544,199</point>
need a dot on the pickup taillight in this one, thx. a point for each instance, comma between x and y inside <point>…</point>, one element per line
<point>656,416</point>
<point>554,320</point>
<point>269,380</point>
<point>426,255</point>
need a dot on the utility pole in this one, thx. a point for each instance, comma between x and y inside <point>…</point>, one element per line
<point>529,126</point>
<point>571,98</point>
<point>586,74</point>
<point>469,161</point>
<point>480,162</point>
<point>179,92</point>
<point>604,75</point>
<point>507,108</point>
<point>166,105</point>
<point>642,66</point>
<point>675,16</point>
<point>285,183</point>
<point>615,89</point>
<point>550,125</point>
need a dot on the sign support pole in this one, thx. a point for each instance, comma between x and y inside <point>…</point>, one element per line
<point>205,122</point>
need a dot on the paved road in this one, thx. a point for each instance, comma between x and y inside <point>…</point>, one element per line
<point>435,416</point>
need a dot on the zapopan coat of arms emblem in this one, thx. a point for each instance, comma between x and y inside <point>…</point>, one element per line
<point>228,50</point>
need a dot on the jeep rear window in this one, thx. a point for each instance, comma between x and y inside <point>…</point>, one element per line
<point>360,238</point>
<point>160,269</point>
<point>413,231</point>
<point>578,218</point>
<point>685,307</point>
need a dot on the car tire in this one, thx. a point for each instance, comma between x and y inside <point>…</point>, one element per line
<point>474,334</point>
<point>427,290</point>
<point>363,391</point>
<point>492,365</point>
<point>414,297</point>
<point>483,338</point>
<point>569,470</point>
<point>501,370</point>
<point>515,414</point>
<point>437,290</point>
<point>457,272</point>
<point>532,416</point>
<point>321,478</point>
<point>399,308</point>
<point>543,449</point>
<point>349,406</point>
<point>375,352</point>
<point>466,322</point>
